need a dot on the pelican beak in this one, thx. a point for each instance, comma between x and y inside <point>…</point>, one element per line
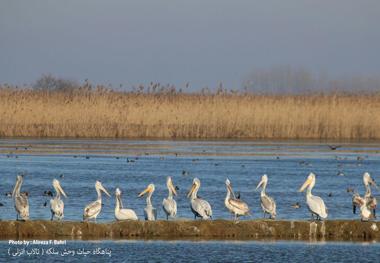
<point>306,184</point>
<point>105,191</point>
<point>260,184</point>
<point>145,191</point>
<point>172,188</point>
<point>61,190</point>
<point>191,190</point>
<point>230,188</point>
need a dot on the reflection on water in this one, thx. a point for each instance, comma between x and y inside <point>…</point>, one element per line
<point>131,165</point>
<point>210,251</point>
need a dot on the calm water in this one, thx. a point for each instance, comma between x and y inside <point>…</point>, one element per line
<point>158,251</point>
<point>81,162</point>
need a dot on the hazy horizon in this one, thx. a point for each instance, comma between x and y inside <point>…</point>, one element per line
<point>200,42</point>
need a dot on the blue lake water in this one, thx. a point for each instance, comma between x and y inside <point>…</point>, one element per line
<point>82,162</point>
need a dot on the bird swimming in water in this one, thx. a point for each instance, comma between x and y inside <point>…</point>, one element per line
<point>122,213</point>
<point>267,203</point>
<point>234,205</point>
<point>56,204</point>
<point>315,203</point>
<point>21,200</point>
<point>150,212</point>
<point>169,204</point>
<point>199,207</point>
<point>92,210</point>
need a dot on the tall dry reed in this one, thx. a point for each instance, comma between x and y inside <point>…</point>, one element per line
<point>102,113</point>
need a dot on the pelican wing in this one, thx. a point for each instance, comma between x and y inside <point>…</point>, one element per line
<point>56,207</point>
<point>126,214</point>
<point>317,206</point>
<point>268,204</point>
<point>170,207</point>
<point>22,206</point>
<point>202,207</point>
<point>92,209</point>
<point>238,204</point>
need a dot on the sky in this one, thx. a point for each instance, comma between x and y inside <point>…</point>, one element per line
<point>203,42</point>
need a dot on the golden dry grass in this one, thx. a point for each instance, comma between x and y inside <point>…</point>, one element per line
<point>86,113</point>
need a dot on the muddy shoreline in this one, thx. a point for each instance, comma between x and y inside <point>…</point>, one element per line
<point>331,230</point>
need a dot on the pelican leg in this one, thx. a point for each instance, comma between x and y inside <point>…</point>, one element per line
<point>354,209</point>
<point>17,217</point>
<point>51,219</point>
<point>374,213</point>
<point>264,214</point>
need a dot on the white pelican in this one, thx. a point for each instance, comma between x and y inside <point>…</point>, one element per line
<point>267,203</point>
<point>199,207</point>
<point>370,200</point>
<point>20,199</point>
<point>169,204</point>
<point>359,201</point>
<point>315,203</point>
<point>92,210</point>
<point>56,204</point>
<point>149,211</point>
<point>120,212</point>
<point>235,206</point>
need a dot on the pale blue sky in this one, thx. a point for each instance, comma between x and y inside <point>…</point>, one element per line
<point>199,41</point>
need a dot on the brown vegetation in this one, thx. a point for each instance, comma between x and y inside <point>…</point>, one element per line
<point>98,112</point>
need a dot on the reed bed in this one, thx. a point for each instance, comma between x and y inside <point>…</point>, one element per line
<point>101,113</point>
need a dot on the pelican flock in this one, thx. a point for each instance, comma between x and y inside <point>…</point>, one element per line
<point>92,210</point>
<point>267,203</point>
<point>200,207</point>
<point>150,212</point>
<point>21,201</point>
<point>236,206</point>
<point>169,204</point>
<point>56,204</point>
<point>315,203</point>
<point>122,213</point>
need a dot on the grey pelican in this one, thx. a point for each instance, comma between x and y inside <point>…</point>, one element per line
<point>149,211</point>
<point>199,207</point>
<point>235,206</point>
<point>56,204</point>
<point>20,199</point>
<point>315,203</point>
<point>120,212</point>
<point>359,201</point>
<point>92,210</point>
<point>169,204</point>
<point>370,200</point>
<point>267,203</point>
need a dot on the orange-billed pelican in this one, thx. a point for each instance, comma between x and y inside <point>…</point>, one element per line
<point>359,201</point>
<point>120,212</point>
<point>370,200</point>
<point>20,199</point>
<point>92,210</point>
<point>149,211</point>
<point>315,203</point>
<point>267,203</point>
<point>56,204</point>
<point>235,206</point>
<point>169,204</point>
<point>199,207</point>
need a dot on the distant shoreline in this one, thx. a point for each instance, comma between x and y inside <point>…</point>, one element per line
<point>170,115</point>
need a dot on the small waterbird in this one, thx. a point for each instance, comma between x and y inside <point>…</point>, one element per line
<point>370,200</point>
<point>150,212</point>
<point>122,213</point>
<point>21,200</point>
<point>267,203</point>
<point>236,206</point>
<point>169,204</point>
<point>315,203</point>
<point>199,207</point>
<point>92,210</point>
<point>56,204</point>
